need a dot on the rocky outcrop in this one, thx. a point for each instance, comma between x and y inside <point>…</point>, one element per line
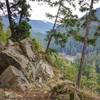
<point>20,59</point>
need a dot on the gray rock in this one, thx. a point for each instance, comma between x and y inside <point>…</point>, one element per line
<point>22,57</point>
<point>14,78</point>
<point>26,45</point>
<point>43,69</point>
<point>11,56</point>
<point>10,42</point>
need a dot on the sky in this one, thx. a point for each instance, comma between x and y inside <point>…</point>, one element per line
<point>39,10</point>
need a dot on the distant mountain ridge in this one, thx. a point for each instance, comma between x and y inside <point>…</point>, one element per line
<point>38,26</point>
<point>97,13</point>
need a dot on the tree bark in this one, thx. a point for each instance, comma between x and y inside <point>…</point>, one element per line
<point>84,46</point>
<point>9,16</point>
<point>21,12</point>
<point>82,58</point>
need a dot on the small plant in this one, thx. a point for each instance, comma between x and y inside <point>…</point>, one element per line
<point>3,35</point>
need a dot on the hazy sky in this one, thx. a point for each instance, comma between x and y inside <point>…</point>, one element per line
<point>38,11</point>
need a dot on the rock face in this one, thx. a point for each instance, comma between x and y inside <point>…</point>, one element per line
<point>12,77</point>
<point>26,45</point>
<point>19,59</point>
<point>44,68</point>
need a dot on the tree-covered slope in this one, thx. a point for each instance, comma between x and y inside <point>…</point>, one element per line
<point>40,28</point>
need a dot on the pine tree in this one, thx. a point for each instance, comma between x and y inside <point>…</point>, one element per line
<point>11,22</point>
<point>89,18</point>
<point>1,5</point>
<point>53,29</point>
<point>22,27</point>
<point>16,9</point>
<point>24,12</point>
<point>67,17</point>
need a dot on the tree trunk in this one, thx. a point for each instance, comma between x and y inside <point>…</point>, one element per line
<point>82,58</point>
<point>49,41</point>
<point>21,14</point>
<point>84,46</point>
<point>20,19</point>
<point>9,16</point>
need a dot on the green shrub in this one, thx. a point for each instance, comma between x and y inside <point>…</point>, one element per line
<point>4,38</point>
<point>66,67</point>
<point>22,31</point>
<point>3,35</point>
<point>89,78</point>
<point>37,46</point>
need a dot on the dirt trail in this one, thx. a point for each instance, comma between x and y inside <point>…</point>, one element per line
<point>37,94</point>
<point>9,94</point>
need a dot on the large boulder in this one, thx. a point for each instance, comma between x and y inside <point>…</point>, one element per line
<point>12,77</point>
